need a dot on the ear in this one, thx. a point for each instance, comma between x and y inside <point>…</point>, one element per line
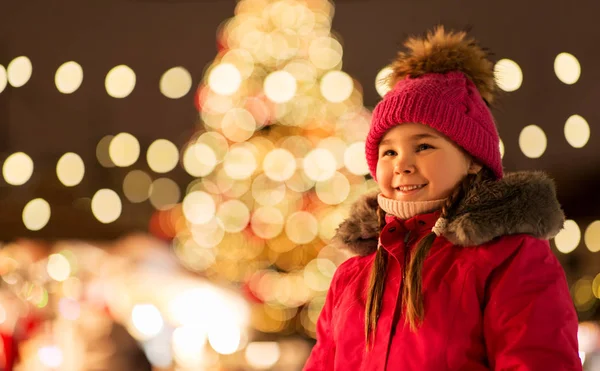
<point>475,167</point>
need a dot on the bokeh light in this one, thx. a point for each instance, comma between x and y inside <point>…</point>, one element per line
<point>102,154</point>
<point>301,227</point>
<point>164,193</point>
<point>267,222</point>
<point>175,83</point>
<point>355,159</point>
<point>58,267</point>
<point>120,81</point>
<point>238,125</point>
<point>336,86</point>
<point>136,186</point>
<point>567,68</point>
<point>508,74</point>
<point>198,207</point>
<point>225,339</point>
<point>124,150</point>
<point>280,86</point>
<point>532,141</point>
<point>162,156</point>
<point>381,81</point>
<point>147,320</point>
<point>239,163</point>
<point>19,71</point>
<point>501,144</point>
<point>334,190</point>
<point>279,164</point>
<point>69,77</point>
<point>199,160</point>
<point>266,191</point>
<point>234,215</point>
<point>70,169</point>
<point>325,52</point>
<point>262,355</point>
<point>3,78</point>
<point>592,236</point>
<point>577,131</point>
<point>17,169</point>
<point>568,238</point>
<point>225,79</point>
<point>36,214</point>
<point>319,164</point>
<point>106,206</point>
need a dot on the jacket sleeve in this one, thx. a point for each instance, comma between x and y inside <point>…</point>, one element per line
<point>322,355</point>
<point>530,322</point>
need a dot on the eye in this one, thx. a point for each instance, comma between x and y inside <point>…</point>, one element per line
<point>389,152</point>
<point>423,147</point>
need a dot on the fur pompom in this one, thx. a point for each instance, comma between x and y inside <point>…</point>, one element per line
<point>443,51</point>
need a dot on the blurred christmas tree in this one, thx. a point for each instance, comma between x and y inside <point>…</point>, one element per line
<point>279,157</point>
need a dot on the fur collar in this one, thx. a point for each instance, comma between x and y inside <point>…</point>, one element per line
<point>522,202</point>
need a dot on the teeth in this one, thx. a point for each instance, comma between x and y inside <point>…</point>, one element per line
<point>409,188</point>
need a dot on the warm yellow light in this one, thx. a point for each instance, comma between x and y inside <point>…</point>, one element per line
<point>355,160</point>
<point>508,75</point>
<point>267,222</point>
<point>336,86</point>
<point>234,215</point>
<point>58,267</point>
<point>325,52</point>
<point>225,79</point>
<point>198,207</point>
<point>239,163</point>
<point>567,68</point>
<point>164,193</point>
<point>19,71</point>
<point>568,238</point>
<point>532,141</point>
<point>124,150</point>
<point>147,320</point>
<point>381,81</point>
<point>225,339</point>
<point>334,190</point>
<point>69,77</point>
<point>199,160</point>
<point>106,206</point>
<point>162,156</point>
<point>36,214</point>
<point>120,81</point>
<point>501,144</point>
<point>319,165</point>
<point>136,186</point>
<point>238,125</point>
<point>280,86</point>
<point>175,83</point>
<point>17,169</point>
<point>262,355</point>
<point>3,78</point>
<point>279,164</point>
<point>592,236</point>
<point>266,191</point>
<point>70,169</point>
<point>577,131</point>
<point>301,227</point>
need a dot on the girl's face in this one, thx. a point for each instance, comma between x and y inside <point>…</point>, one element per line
<point>417,163</point>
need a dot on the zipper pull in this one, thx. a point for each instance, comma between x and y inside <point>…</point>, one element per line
<point>407,237</point>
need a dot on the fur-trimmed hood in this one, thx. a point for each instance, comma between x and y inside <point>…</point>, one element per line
<point>522,202</point>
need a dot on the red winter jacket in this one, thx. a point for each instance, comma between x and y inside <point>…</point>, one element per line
<point>495,296</point>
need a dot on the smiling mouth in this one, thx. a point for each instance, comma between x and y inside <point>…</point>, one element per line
<point>410,188</point>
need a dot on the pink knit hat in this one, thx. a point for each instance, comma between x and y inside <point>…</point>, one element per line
<point>441,83</point>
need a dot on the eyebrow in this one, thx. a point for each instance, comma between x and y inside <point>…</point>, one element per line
<point>414,137</point>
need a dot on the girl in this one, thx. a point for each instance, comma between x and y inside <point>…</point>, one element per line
<point>454,270</point>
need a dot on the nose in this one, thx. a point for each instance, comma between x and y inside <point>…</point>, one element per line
<point>404,165</point>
